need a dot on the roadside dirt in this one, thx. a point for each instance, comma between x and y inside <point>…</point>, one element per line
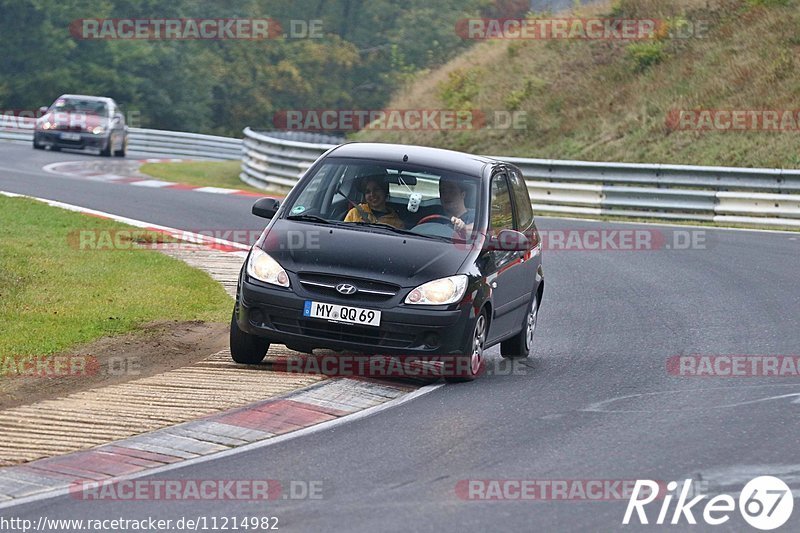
<point>157,347</point>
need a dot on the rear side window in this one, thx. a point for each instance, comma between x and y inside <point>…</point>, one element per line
<point>501,217</point>
<point>522,200</point>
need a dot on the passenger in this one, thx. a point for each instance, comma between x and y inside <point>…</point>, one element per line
<point>375,210</point>
<point>452,194</point>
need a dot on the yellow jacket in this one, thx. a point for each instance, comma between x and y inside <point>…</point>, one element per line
<point>391,218</point>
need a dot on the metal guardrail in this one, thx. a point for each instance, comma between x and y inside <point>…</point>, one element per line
<point>756,196</point>
<point>280,159</point>
<point>145,141</point>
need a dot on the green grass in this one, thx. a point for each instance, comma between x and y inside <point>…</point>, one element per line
<point>54,296</point>
<point>201,173</point>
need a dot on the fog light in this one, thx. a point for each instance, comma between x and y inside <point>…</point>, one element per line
<point>432,340</point>
<point>256,316</point>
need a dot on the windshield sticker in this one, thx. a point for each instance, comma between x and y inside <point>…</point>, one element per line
<point>298,209</point>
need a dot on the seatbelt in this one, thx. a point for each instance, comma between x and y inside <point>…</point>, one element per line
<point>364,215</point>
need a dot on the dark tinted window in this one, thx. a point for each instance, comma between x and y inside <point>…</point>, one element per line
<point>522,200</point>
<point>502,217</point>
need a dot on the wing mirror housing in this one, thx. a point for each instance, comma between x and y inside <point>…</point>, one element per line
<point>509,240</point>
<point>266,207</point>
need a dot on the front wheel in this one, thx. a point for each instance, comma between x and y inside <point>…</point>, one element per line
<point>473,363</point>
<point>246,349</point>
<point>106,152</point>
<point>123,148</point>
<point>520,345</point>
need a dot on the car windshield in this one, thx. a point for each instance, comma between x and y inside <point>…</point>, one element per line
<point>410,199</point>
<point>76,105</point>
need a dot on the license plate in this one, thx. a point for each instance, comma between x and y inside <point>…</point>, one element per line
<point>71,136</point>
<point>342,313</point>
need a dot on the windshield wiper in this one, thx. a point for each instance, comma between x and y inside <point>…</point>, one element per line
<point>397,230</point>
<point>310,218</point>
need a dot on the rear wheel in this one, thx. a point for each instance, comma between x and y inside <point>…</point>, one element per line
<point>520,345</point>
<point>246,349</point>
<point>473,363</point>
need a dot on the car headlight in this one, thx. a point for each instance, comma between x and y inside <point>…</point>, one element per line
<point>46,125</point>
<point>99,130</point>
<point>264,268</point>
<point>439,291</point>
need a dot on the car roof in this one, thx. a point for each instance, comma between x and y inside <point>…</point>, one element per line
<point>461,162</point>
<point>86,97</point>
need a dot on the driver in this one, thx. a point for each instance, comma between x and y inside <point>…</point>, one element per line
<point>452,194</point>
<point>375,210</point>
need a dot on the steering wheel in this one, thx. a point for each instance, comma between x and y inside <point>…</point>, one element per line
<point>439,219</point>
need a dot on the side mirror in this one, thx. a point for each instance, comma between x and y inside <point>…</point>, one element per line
<point>266,207</point>
<point>42,110</point>
<point>509,240</point>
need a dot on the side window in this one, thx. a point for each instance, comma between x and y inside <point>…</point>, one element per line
<point>502,217</point>
<point>522,200</point>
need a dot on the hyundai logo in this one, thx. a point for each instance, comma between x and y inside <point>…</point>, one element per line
<point>346,288</point>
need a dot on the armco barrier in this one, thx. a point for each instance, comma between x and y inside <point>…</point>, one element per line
<point>280,159</point>
<point>766,197</point>
<point>145,141</point>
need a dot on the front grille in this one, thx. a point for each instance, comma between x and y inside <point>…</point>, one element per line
<point>68,127</point>
<point>368,290</point>
<point>342,332</point>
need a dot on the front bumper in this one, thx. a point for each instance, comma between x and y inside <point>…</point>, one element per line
<point>83,140</point>
<point>277,314</point>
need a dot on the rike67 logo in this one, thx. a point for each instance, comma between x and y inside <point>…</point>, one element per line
<point>765,503</point>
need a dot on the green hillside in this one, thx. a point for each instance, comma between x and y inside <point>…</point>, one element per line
<point>610,100</point>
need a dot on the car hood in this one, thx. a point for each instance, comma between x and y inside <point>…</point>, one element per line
<point>84,120</point>
<point>366,253</point>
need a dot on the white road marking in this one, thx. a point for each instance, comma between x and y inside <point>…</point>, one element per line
<point>151,183</point>
<point>216,190</point>
<point>600,407</point>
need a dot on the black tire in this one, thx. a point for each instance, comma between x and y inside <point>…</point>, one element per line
<point>37,146</point>
<point>123,149</point>
<point>473,363</point>
<point>106,152</point>
<point>55,149</point>
<point>246,349</point>
<point>520,345</point>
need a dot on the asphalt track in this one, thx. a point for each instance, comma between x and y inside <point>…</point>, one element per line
<point>609,322</point>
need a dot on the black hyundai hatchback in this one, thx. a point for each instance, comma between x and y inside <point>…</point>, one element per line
<point>395,250</point>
